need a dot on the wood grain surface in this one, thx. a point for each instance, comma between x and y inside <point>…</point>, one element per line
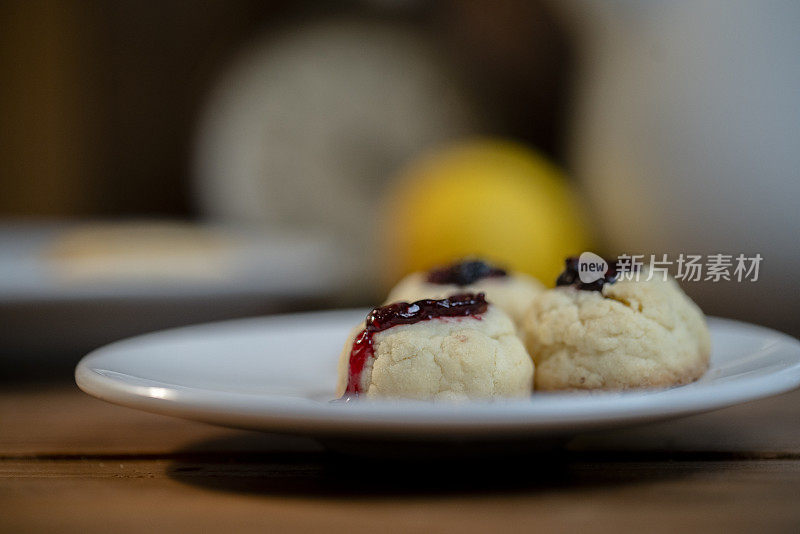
<point>70,463</point>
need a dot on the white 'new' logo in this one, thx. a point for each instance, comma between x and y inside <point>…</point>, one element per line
<point>591,267</point>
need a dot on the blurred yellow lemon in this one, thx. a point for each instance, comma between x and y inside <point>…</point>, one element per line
<point>492,199</point>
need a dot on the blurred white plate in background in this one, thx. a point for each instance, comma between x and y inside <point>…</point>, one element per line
<point>278,375</point>
<point>67,287</point>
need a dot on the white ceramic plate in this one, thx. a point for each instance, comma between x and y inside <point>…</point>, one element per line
<point>278,374</point>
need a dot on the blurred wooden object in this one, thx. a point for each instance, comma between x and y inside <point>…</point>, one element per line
<point>70,463</point>
<point>46,134</point>
<point>98,100</point>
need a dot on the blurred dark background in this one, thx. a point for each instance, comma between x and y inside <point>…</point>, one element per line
<point>100,100</point>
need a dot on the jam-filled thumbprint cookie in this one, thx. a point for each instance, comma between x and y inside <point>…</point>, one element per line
<point>456,348</point>
<point>616,332</point>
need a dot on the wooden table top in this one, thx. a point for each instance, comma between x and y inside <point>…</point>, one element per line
<point>70,463</point>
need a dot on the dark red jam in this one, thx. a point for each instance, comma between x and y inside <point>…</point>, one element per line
<point>399,313</point>
<point>571,276</point>
<point>464,273</point>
